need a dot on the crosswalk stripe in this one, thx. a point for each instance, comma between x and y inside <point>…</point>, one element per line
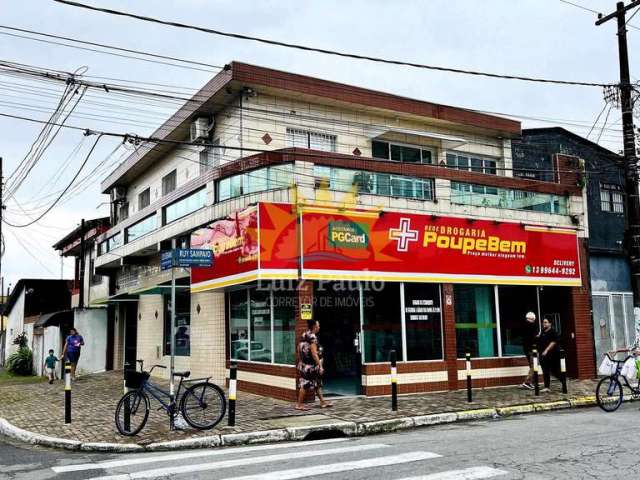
<point>186,455</point>
<point>473,473</point>
<point>340,467</point>
<point>181,469</point>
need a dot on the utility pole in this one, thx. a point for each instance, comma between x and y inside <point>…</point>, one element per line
<point>82,265</point>
<point>632,234</point>
<point>2,242</point>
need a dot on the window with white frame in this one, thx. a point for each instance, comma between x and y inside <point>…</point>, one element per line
<point>472,163</point>
<point>297,137</point>
<point>401,153</point>
<point>611,198</point>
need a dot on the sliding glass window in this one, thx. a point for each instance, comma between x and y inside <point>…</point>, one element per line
<point>260,180</point>
<point>186,205</point>
<point>141,228</point>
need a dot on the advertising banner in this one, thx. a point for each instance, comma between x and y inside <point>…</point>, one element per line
<point>364,245</point>
<point>265,242</point>
<point>234,243</point>
<point>256,243</point>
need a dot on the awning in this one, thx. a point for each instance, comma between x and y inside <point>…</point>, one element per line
<point>55,318</point>
<point>123,297</point>
<point>135,294</point>
<point>448,141</point>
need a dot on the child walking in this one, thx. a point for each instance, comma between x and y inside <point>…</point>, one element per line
<point>50,366</point>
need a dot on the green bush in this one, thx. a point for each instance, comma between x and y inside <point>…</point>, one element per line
<point>21,362</point>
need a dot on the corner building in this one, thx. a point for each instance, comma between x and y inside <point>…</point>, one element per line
<point>396,223</point>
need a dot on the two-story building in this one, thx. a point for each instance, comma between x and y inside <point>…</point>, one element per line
<point>91,314</point>
<point>614,322</point>
<point>397,223</point>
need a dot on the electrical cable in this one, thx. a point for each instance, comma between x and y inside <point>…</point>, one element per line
<point>29,252</point>
<point>606,118</point>
<point>113,47</point>
<point>138,140</point>
<point>355,56</point>
<point>195,98</point>
<point>63,192</point>
<point>16,185</point>
<point>596,120</point>
<point>586,9</point>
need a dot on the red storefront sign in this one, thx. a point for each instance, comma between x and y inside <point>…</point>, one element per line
<point>413,247</point>
<point>234,242</point>
<point>371,245</point>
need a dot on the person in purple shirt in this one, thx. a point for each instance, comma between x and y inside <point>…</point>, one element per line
<point>71,350</point>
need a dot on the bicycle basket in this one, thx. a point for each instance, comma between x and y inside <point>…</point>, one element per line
<point>134,379</point>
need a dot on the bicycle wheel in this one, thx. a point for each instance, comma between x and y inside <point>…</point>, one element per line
<point>132,413</point>
<point>203,405</point>
<point>609,394</point>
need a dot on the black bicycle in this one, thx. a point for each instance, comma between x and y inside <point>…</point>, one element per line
<point>610,392</point>
<point>202,404</point>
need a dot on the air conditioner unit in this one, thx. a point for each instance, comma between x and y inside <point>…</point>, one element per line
<point>200,128</point>
<point>118,194</point>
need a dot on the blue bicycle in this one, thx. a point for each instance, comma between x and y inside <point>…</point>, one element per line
<point>202,404</point>
<point>610,390</point>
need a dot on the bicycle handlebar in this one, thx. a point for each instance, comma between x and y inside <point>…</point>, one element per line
<point>159,366</point>
<point>608,355</point>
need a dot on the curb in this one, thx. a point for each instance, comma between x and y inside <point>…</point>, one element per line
<point>344,428</point>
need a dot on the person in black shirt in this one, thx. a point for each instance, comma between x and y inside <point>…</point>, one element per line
<point>529,335</point>
<point>548,346</point>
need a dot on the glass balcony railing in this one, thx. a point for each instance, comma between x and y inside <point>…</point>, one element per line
<point>485,196</point>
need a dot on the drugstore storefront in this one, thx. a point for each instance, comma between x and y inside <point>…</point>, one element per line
<point>430,288</point>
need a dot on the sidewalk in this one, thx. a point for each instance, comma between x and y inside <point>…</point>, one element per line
<point>39,408</point>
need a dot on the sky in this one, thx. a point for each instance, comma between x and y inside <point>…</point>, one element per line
<point>540,38</point>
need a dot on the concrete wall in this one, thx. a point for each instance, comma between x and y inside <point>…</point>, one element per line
<point>53,341</point>
<point>207,331</point>
<point>208,335</point>
<point>184,160</point>
<point>150,330</point>
<point>15,324</point>
<point>92,325</point>
<point>353,128</point>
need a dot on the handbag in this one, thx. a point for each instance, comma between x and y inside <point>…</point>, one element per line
<point>607,367</point>
<point>629,369</point>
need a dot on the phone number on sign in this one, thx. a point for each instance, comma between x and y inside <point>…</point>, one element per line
<point>536,269</point>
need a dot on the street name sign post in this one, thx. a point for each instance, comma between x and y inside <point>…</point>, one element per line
<point>181,258</point>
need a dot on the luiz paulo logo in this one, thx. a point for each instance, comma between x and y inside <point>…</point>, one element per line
<point>403,235</point>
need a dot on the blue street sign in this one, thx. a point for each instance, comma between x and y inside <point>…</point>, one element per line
<point>193,257</point>
<point>166,260</point>
<point>186,258</point>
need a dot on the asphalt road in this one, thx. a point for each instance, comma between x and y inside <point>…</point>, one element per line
<point>568,444</point>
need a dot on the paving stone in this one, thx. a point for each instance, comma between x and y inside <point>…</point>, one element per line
<point>39,408</point>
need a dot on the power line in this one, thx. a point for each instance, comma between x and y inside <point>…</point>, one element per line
<point>131,92</point>
<point>586,9</point>
<point>63,192</point>
<point>140,140</point>
<point>29,252</point>
<point>102,45</point>
<point>306,48</point>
